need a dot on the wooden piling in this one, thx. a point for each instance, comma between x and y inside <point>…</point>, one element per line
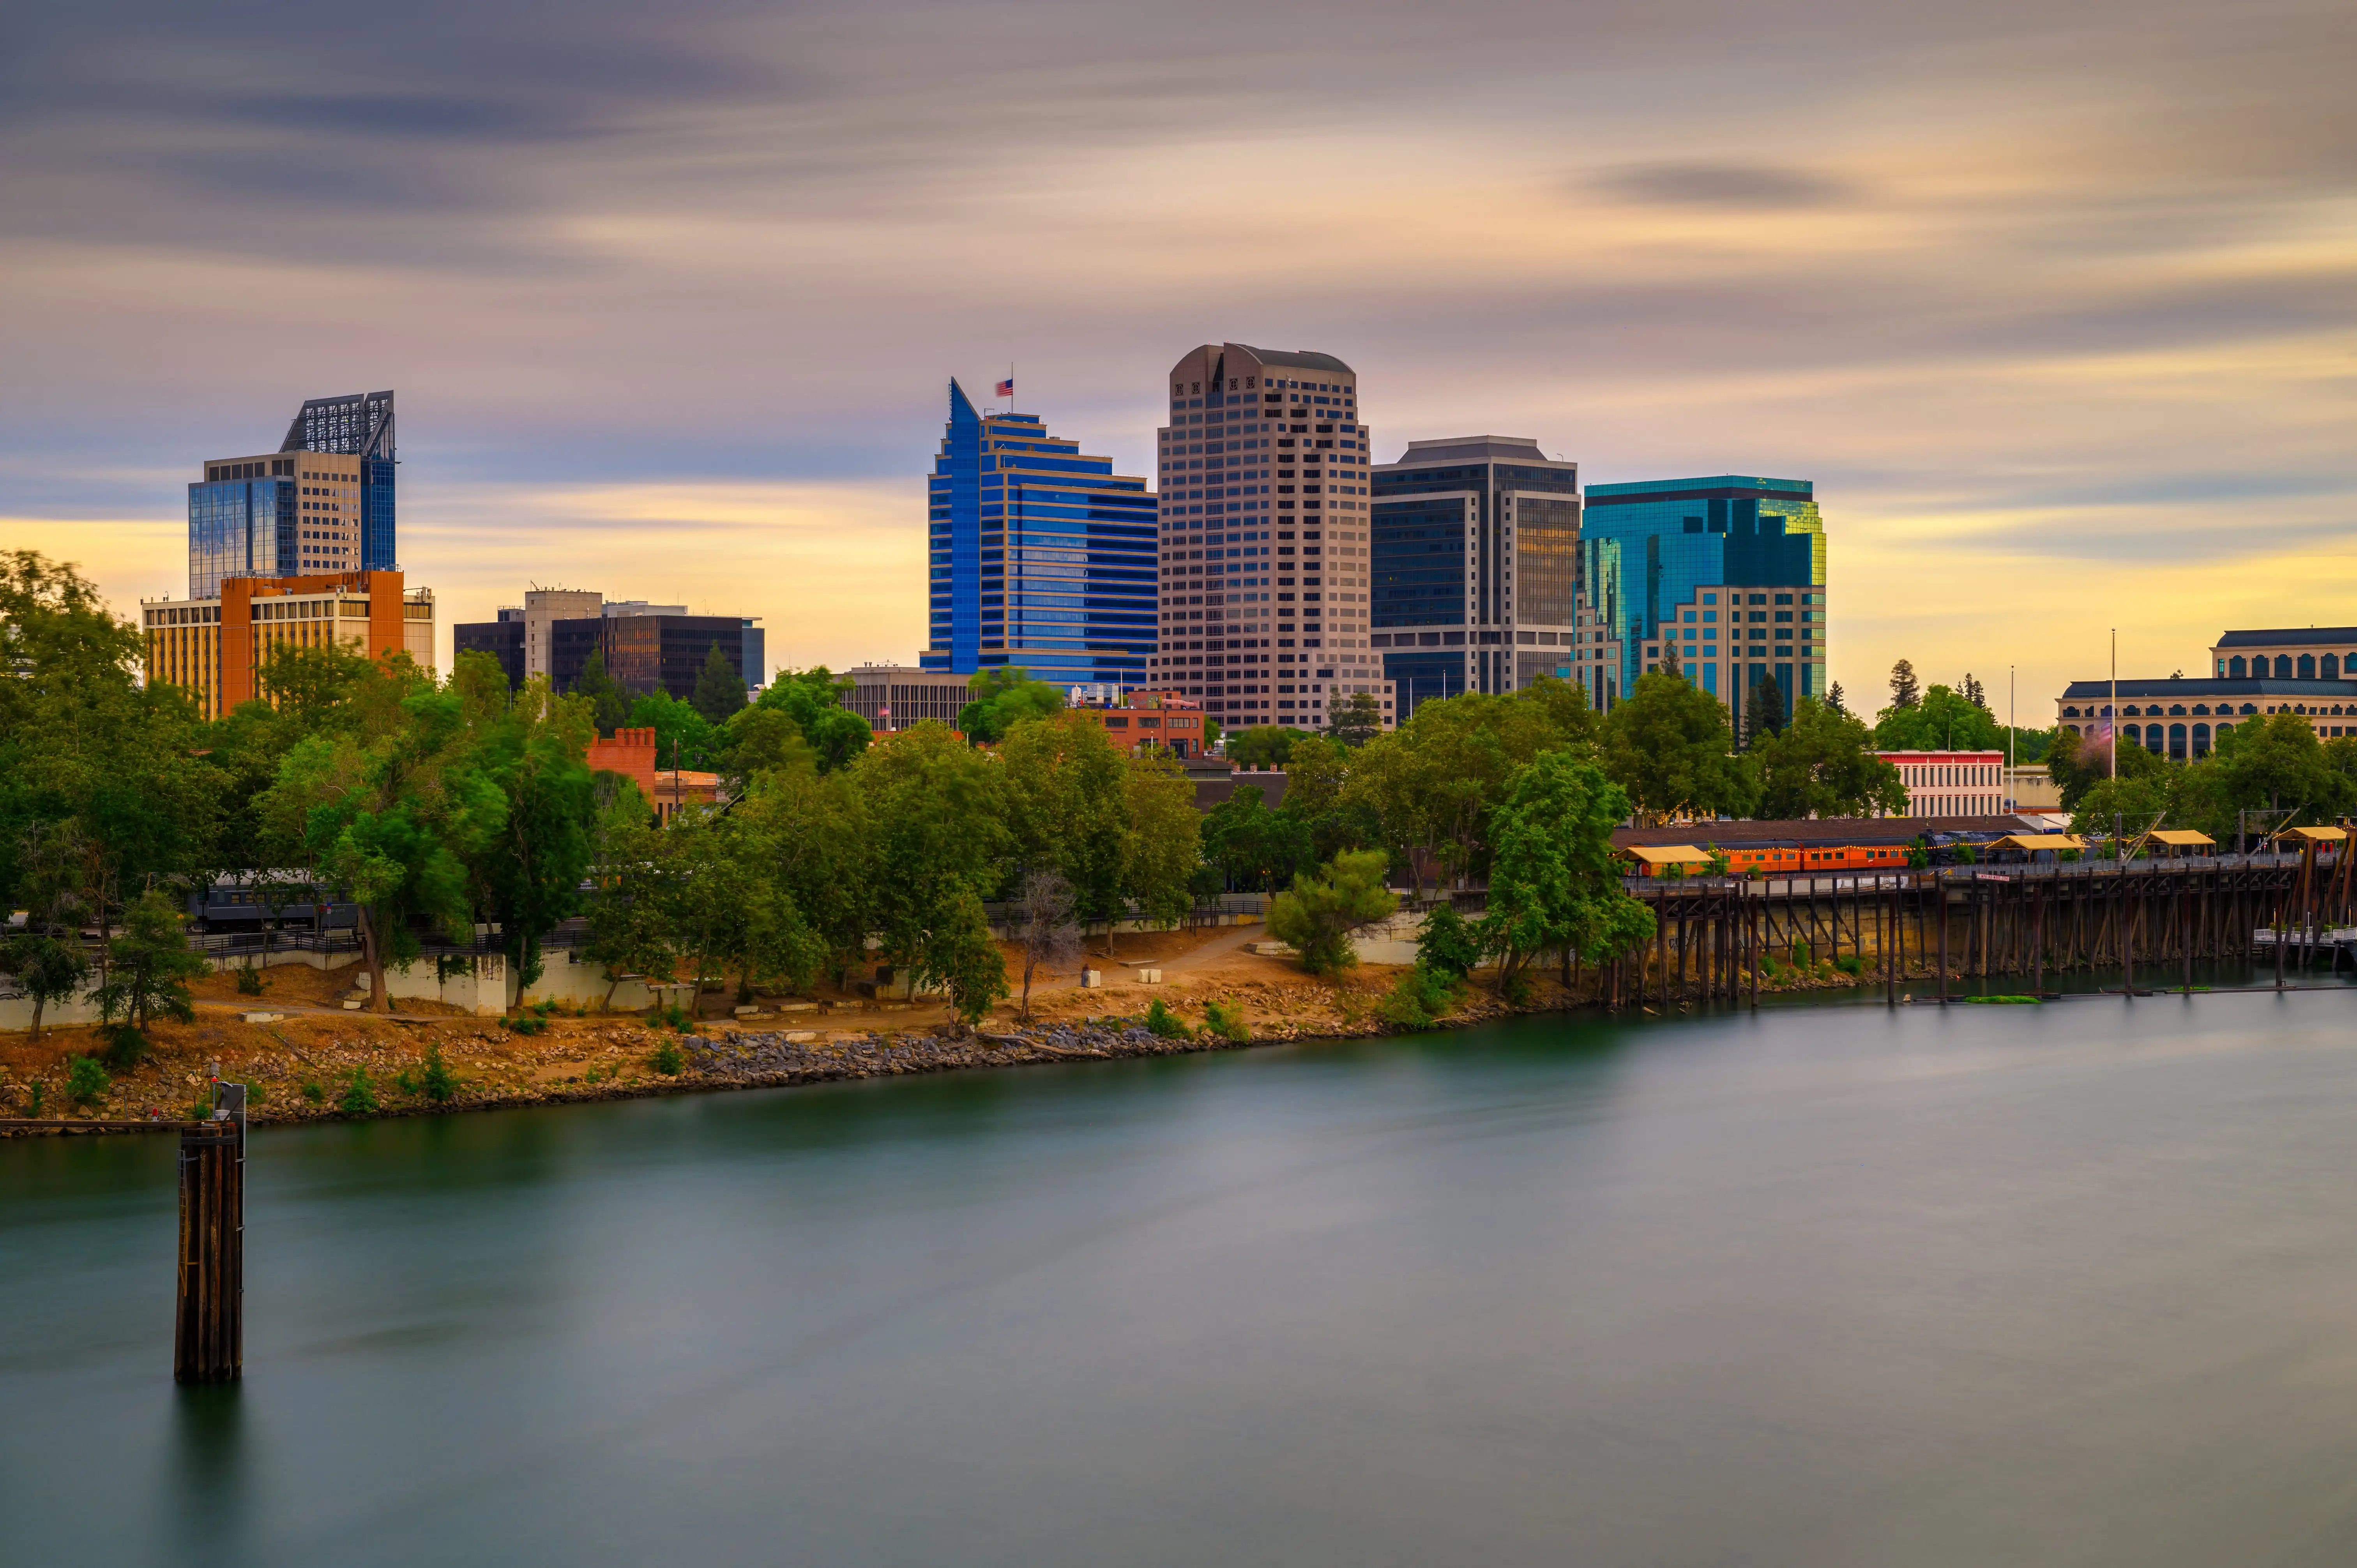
<point>209,1338</point>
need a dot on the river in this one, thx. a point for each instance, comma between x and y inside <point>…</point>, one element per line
<point>1825,1285</point>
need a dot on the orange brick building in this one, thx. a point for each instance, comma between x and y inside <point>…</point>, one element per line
<point>1158,719</point>
<point>214,649</point>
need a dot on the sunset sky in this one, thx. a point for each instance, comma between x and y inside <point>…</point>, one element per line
<point>2057,304</point>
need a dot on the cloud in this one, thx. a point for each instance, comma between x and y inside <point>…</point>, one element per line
<point>1733,185</point>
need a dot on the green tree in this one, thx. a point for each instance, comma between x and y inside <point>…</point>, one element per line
<point>609,705</point>
<point>2133,805</point>
<point>1161,841</point>
<point>813,698</point>
<point>1064,791</point>
<point>1356,720</point>
<point>1824,765</point>
<point>1316,917</point>
<point>938,812</point>
<point>758,740</point>
<point>47,970</point>
<point>1449,946</point>
<point>719,689</point>
<point>818,838</point>
<point>1554,882</point>
<point>533,748</point>
<point>1002,698</point>
<point>153,965</point>
<point>1904,688</point>
<point>1264,747</point>
<point>683,737</point>
<point>1427,788</point>
<point>1252,848</point>
<point>2077,762</point>
<point>1941,720</point>
<point>1763,711</point>
<point>393,819</point>
<point>1668,746</point>
<point>631,930</point>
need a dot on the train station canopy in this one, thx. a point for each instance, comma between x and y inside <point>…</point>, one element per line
<point>2038,843</point>
<point>2176,841</point>
<point>1665,854</point>
<point>2314,836</point>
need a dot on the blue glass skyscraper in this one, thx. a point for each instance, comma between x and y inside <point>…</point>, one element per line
<point>322,502</point>
<point>1040,556</point>
<point>1729,570</point>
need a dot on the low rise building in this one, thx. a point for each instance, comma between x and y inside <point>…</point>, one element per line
<point>629,752</point>
<point>1950,783</point>
<point>2288,653</point>
<point>892,697</point>
<point>2182,718</point>
<point>214,648</point>
<point>646,648</point>
<point>1164,721</point>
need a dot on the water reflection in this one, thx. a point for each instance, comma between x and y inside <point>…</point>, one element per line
<point>210,1490</point>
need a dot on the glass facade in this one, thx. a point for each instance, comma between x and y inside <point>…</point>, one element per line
<point>1475,548</point>
<point>1676,562</point>
<point>241,528</point>
<point>1040,556</point>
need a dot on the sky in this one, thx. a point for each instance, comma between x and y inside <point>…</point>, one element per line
<point>2056,303</point>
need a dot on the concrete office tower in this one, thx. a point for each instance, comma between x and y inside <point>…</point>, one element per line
<point>646,648</point>
<point>322,502</point>
<point>1476,566</point>
<point>1263,468</point>
<point>1041,555</point>
<point>1677,562</point>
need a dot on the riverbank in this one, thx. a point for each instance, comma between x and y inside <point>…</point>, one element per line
<point>302,1061</point>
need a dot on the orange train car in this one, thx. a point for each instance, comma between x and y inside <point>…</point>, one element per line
<point>1779,859</point>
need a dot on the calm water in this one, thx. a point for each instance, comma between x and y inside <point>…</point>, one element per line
<point>2072,1284</point>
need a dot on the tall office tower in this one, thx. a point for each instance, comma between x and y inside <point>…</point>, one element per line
<point>1671,562</point>
<point>1476,565</point>
<point>322,502</point>
<point>1264,478</point>
<point>1042,556</point>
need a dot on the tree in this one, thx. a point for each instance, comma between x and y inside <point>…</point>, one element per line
<point>534,750</point>
<point>1252,848</point>
<point>817,837</point>
<point>393,820</point>
<point>683,737</point>
<point>1044,924</point>
<point>1669,660</point>
<point>1002,698</point>
<point>609,705</point>
<point>813,698</point>
<point>1449,946</point>
<point>941,839</point>
<point>1970,690</point>
<point>1316,917</point>
<point>1357,720</point>
<point>1904,688</point>
<point>1064,791</point>
<point>1668,745</point>
<point>1426,789</point>
<point>2076,762</point>
<point>2132,805</point>
<point>758,740</point>
<point>1553,883</point>
<point>1161,846</point>
<point>1263,746</point>
<point>47,970</point>
<point>1824,765</point>
<point>1940,720</point>
<point>1836,702</point>
<point>1763,711</point>
<point>153,965</point>
<point>719,688</point>
<point>630,929</point>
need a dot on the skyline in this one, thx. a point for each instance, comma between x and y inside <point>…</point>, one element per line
<point>2058,304</point>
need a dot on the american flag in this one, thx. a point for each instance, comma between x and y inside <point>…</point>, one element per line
<point>1007,387</point>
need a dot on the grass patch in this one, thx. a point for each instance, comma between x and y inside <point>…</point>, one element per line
<point>2001,1000</point>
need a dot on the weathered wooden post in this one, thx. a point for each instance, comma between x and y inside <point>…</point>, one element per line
<point>208,1334</point>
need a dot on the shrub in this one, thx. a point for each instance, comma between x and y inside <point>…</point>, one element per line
<point>1518,988</point>
<point>249,983</point>
<point>1160,1020</point>
<point>86,1082</point>
<point>314,1091</point>
<point>1418,997</point>
<point>39,1092</point>
<point>359,1100</point>
<point>127,1047</point>
<point>1448,946</point>
<point>525,1023</point>
<point>1849,963</point>
<point>668,1060</point>
<point>437,1080</point>
<point>672,1017</point>
<point>1316,917</point>
<point>1225,1023</point>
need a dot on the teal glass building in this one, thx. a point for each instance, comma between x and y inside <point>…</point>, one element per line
<point>1040,555</point>
<point>1729,570</point>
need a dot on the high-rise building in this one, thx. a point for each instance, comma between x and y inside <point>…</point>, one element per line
<point>1674,563</point>
<point>322,502</point>
<point>1262,469</point>
<point>1476,553</point>
<point>1041,555</point>
<point>214,646</point>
